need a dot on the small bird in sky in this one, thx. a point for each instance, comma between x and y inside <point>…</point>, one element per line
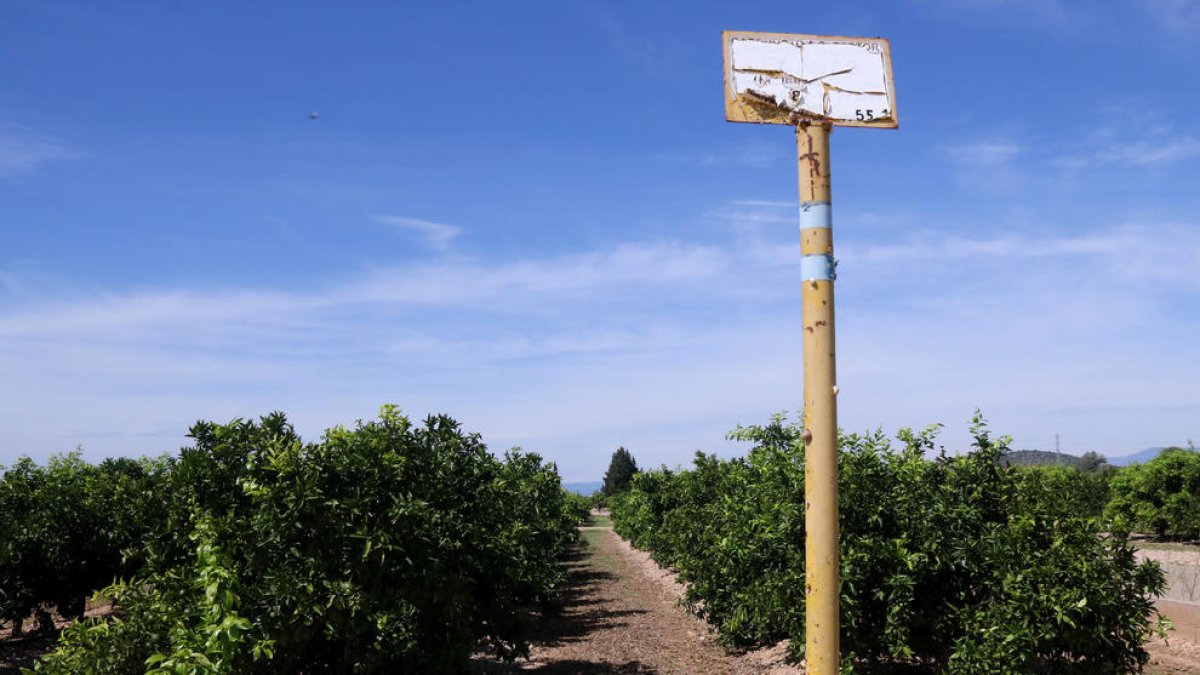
<point>314,116</point>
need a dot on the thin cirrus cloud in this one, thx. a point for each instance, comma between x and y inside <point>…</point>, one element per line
<point>23,150</point>
<point>1181,17</point>
<point>992,164</point>
<point>1161,151</point>
<point>537,281</point>
<point>405,335</point>
<point>765,203</point>
<point>634,278</point>
<point>749,154</point>
<point>1165,253</point>
<point>651,53</point>
<point>988,153</point>
<point>437,236</point>
<point>987,166</point>
<point>1055,15</point>
<point>465,283</point>
<point>563,352</point>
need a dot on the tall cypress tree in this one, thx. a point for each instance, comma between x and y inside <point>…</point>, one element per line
<point>620,472</point>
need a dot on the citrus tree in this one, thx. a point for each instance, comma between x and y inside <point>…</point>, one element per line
<point>1161,496</point>
<point>956,564</point>
<point>388,547</point>
<point>68,528</point>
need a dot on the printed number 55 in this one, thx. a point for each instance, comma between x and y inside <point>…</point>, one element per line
<point>867,117</point>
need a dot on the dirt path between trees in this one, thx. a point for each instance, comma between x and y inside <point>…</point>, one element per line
<point>622,616</point>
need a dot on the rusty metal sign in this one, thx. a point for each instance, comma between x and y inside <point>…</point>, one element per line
<point>783,78</point>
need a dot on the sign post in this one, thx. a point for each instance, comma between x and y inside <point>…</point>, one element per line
<point>813,83</point>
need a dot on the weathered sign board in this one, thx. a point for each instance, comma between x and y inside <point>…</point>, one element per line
<point>782,78</point>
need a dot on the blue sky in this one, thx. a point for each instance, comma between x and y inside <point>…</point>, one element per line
<point>532,216</point>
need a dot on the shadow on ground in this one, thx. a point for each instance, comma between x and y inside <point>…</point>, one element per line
<point>579,612</point>
<point>556,626</point>
<point>570,667</point>
<point>21,652</point>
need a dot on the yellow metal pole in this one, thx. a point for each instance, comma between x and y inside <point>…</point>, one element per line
<point>822,590</point>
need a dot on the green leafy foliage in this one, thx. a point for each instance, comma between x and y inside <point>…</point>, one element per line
<point>69,528</point>
<point>959,563</point>
<point>1063,491</point>
<point>191,627</point>
<point>1091,462</point>
<point>577,506</point>
<point>390,547</point>
<point>1161,496</point>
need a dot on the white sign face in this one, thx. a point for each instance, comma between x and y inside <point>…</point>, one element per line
<point>779,78</point>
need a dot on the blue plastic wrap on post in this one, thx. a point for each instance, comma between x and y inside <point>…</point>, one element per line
<point>818,268</point>
<point>816,214</point>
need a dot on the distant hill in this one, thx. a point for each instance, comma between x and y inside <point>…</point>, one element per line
<point>1136,458</point>
<point>1040,458</point>
<point>585,488</point>
<point>1043,457</point>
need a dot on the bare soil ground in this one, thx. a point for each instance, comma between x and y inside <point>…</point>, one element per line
<point>20,651</point>
<point>622,616</point>
<point>1173,656</point>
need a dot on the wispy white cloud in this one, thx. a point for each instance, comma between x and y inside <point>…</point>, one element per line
<point>748,154</point>
<point>463,336</point>
<point>659,345</point>
<point>435,235</point>
<point>991,153</point>
<point>759,214</point>
<point>463,283</point>
<point>23,150</point>
<point>999,165</point>
<point>1181,17</point>
<point>987,166</point>
<point>1163,252</point>
<point>1055,15</point>
<point>653,53</point>
<point>537,281</point>
<point>764,203</point>
<point>1163,149</point>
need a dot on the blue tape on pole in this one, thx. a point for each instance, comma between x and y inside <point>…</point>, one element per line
<point>818,268</point>
<point>816,214</point>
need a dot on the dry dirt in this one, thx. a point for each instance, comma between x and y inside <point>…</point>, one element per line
<point>1173,657</point>
<point>622,616</point>
<point>1189,556</point>
<point>20,651</point>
